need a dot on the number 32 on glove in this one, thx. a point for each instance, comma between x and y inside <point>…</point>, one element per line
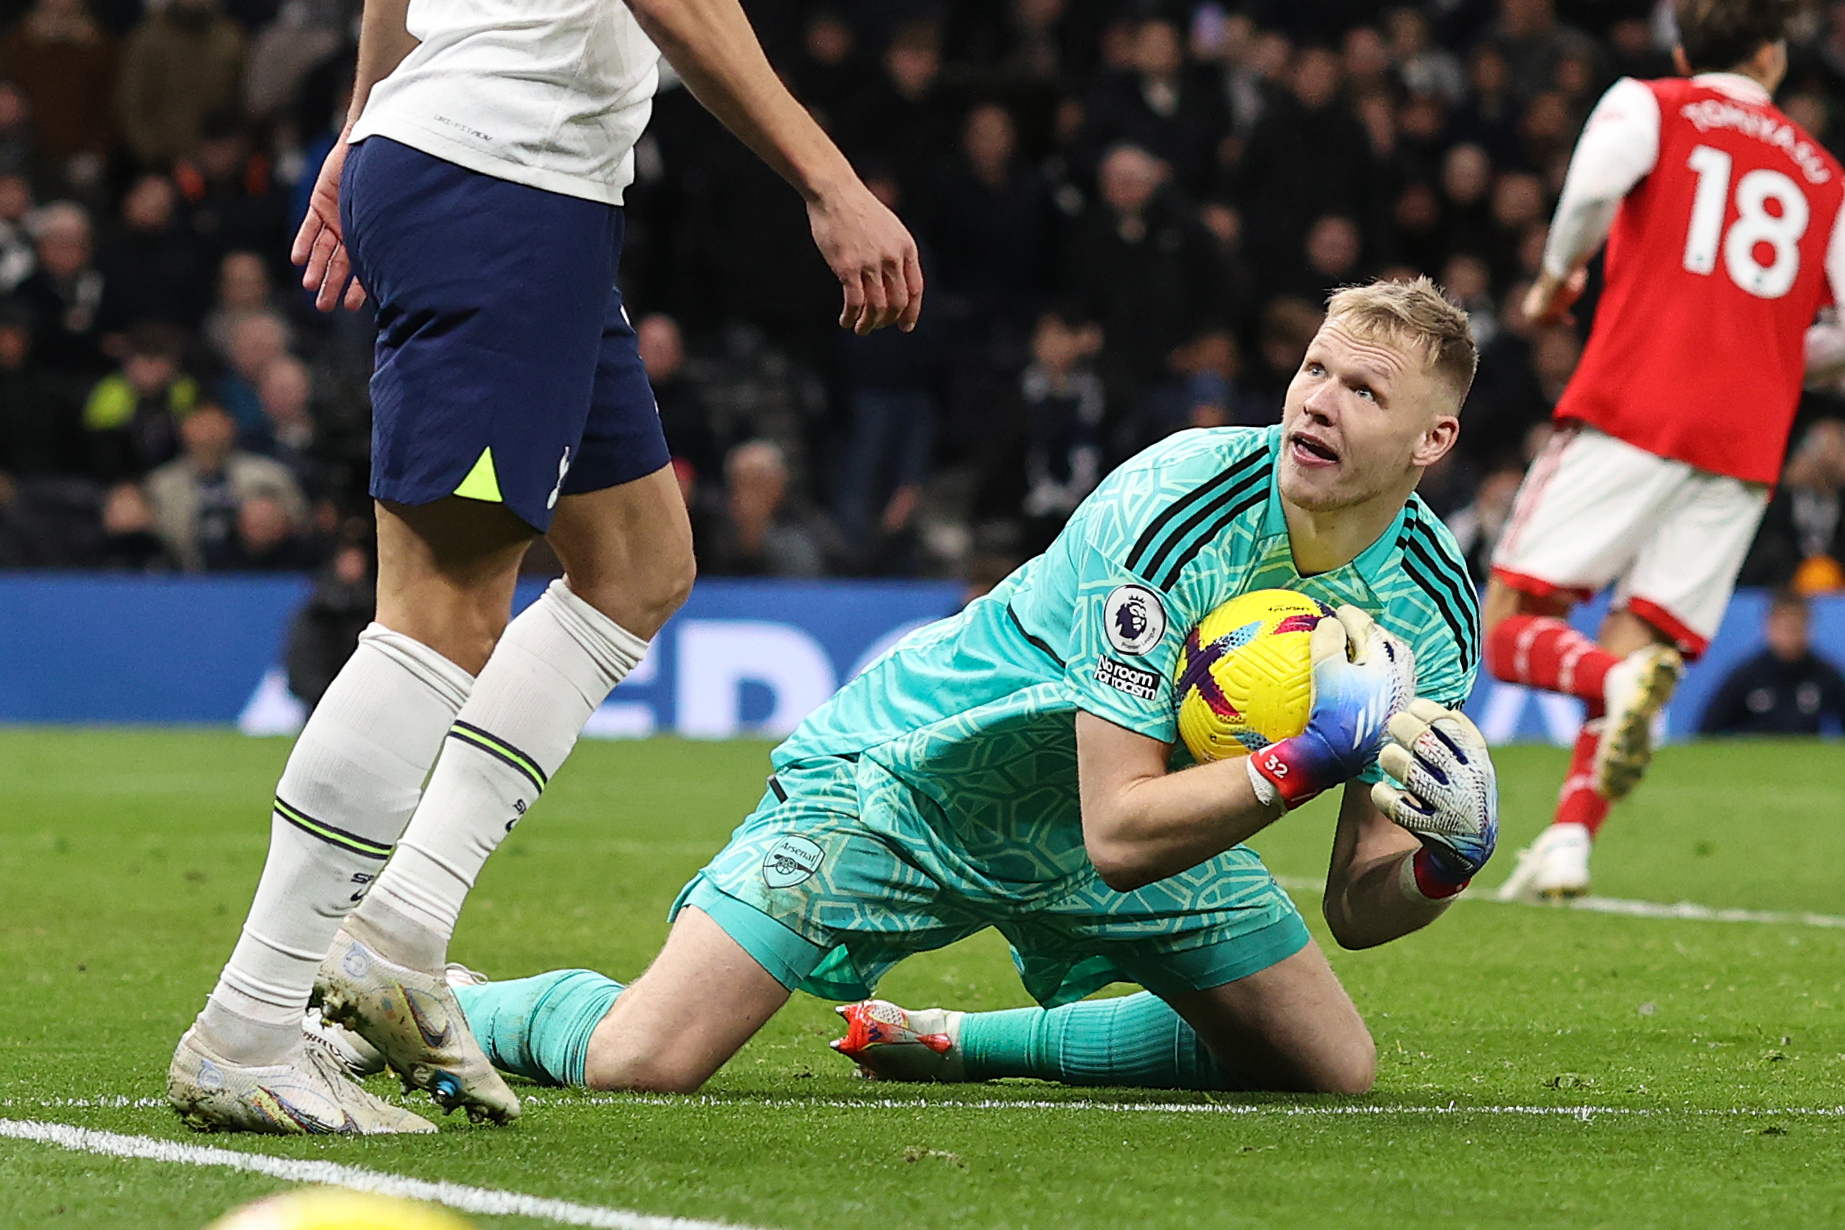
<point>1443,789</point>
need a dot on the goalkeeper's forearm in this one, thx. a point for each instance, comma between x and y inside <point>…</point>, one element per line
<point>1142,823</point>
<point>1159,826</point>
<point>1371,893</point>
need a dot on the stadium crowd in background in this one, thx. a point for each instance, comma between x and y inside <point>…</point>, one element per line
<point>1130,210</point>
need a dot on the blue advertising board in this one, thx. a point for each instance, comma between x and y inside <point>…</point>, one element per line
<point>742,657</point>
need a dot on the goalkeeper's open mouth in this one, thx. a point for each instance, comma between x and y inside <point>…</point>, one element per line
<point>1310,450</point>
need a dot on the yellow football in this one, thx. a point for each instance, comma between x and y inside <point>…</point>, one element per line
<point>1245,673</point>
<point>333,1208</point>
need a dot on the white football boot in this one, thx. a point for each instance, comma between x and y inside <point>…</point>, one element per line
<point>310,1095</point>
<point>889,1043</point>
<point>1553,868</point>
<point>1637,688</point>
<point>413,1020</point>
<point>354,1053</point>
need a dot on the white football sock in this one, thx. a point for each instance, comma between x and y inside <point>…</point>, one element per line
<point>349,788</point>
<point>555,663</point>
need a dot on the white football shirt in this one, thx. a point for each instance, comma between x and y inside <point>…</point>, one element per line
<point>550,93</point>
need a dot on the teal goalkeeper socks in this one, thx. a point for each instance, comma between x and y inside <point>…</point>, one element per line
<point>1137,1040</point>
<point>539,1027</point>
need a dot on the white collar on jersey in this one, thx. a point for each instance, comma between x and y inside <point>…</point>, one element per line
<point>1737,86</point>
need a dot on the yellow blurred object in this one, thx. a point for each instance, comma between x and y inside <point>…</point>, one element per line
<point>1818,574</point>
<point>1245,674</point>
<point>334,1208</point>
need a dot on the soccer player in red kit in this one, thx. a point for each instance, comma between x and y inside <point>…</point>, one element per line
<point>1722,219</point>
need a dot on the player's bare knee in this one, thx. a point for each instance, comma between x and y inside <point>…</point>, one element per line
<point>1350,1068</point>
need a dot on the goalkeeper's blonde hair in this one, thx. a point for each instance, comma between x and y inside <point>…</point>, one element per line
<point>1415,314</point>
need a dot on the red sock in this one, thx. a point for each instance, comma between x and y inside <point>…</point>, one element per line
<point>1578,802</point>
<point>1541,651</point>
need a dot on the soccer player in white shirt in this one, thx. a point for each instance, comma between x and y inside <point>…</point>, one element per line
<point>475,196</point>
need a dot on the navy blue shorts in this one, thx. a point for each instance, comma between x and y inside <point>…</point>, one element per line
<point>506,367</point>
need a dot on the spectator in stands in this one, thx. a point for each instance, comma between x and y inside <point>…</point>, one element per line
<point>893,401</point>
<point>1801,542</point>
<point>1143,267</point>
<point>1160,105</point>
<point>243,289</point>
<point>18,149</point>
<point>1533,43</point>
<point>903,119</point>
<point>1287,326</point>
<point>326,630</point>
<point>231,202</point>
<point>1787,689</point>
<point>755,533</point>
<point>47,505</point>
<point>1334,257</point>
<point>268,537</point>
<point>1309,157</point>
<point>257,339</point>
<point>67,292</point>
<point>1064,403</point>
<point>684,415</point>
<point>41,423</point>
<point>64,64</point>
<point>130,542</point>
<point>182,63</point>
<point>990,225</point>
<point>1477,525</point>
<point>1423,67</point>
<point>18,255</point>
<point>197,497</point>
<point>286,392</point>
<point>830,74</point>
<point>133,415</point>
<point>154,270</point>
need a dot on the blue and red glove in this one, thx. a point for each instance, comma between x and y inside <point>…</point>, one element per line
<point>1361,676</point>
<point>1446,792</point>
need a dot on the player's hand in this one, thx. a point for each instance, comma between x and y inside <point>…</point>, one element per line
<point>1361,676</point>
<point>1549,300</point>
<point>872,255</point>
<point>1445,792</point>
<point>320,246</point>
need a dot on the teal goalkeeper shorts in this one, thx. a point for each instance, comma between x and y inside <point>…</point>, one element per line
<point>843,870</point>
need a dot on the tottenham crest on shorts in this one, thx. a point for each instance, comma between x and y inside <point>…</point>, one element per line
<point>1134,618</point>
<point>790,861</point>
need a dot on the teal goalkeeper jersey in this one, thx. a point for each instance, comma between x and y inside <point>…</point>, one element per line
<point>977,711</point>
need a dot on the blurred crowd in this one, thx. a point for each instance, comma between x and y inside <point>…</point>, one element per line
<point>1130,213</point>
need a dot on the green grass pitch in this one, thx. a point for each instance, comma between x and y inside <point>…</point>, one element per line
<point>1712,1053</point>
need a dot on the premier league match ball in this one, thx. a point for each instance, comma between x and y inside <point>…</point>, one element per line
<point>1245,674</point>
<point>331,1208</point>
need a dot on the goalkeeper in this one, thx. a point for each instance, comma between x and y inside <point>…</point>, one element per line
<point>1013,767</point>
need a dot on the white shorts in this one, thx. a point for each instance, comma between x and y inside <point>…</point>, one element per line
<point>1594,511</point>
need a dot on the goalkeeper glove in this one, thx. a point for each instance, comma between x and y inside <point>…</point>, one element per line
<point>1361,675</point>
<point>1446,793</point>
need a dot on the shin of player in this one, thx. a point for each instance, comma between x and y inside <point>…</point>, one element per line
<point>1723,227</point>
<point>509,401</point>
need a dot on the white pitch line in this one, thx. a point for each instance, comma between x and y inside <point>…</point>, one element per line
<point>484,1201</point>
<point>720,1101</point>
<point>1687,910</point>
<point>1286,1110</point>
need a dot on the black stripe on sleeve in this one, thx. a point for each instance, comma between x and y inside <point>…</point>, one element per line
<point>1452,574</point>
<point>1443,598</point>
<point>1250,497</point>
<point>1231,476</point>
<point>1036,644</point>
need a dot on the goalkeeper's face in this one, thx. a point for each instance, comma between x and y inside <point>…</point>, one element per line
<point>1364,416</point>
